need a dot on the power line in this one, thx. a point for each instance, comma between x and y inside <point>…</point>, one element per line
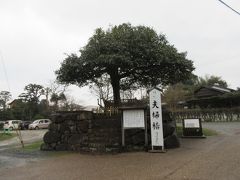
<point>229,7</point>
<point>5,72</point>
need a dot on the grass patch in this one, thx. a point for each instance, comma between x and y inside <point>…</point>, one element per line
<point>179,130</point>
<point>209,132</point>
<point>59,153</point>
<point>206,132</point>
<point>33,146</point>
<point>6,136</point>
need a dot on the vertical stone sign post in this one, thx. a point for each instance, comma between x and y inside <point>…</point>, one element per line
<point>156,120</point>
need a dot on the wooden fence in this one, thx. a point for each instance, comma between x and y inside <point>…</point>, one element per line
<point>207,115</point>
<point>108,111</point>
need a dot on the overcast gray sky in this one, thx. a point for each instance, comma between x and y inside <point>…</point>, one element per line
<point>35,35</point>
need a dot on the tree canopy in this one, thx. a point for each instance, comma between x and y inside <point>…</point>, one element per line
<point>211,81</point>
<point>130,55</point>
<point>33,93</point>
<point>5,96</point>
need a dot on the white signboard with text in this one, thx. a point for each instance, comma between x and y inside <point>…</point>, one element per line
<point>191,123</point>
<point>133,118</point>
<point>156,118</point>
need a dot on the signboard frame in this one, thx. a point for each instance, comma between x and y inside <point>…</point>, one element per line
<point>131,114</point>
<point>192,132</point>
<point>125,128</point>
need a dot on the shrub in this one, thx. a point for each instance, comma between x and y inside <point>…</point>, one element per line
<point>1,125</point>
<point>38,116</point>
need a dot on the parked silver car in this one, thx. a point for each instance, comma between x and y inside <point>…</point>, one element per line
<point>40,124</point>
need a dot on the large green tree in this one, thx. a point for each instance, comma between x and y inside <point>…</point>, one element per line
<point>130,55</point>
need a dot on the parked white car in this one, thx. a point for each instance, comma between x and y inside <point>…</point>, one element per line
<point>39,124</point>
<point>12,124</point>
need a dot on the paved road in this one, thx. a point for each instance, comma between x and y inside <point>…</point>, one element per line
<point>217,157</point>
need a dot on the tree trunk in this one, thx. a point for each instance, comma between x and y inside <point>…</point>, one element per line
<point>115,82</point>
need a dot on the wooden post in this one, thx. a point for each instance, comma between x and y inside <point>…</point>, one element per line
<point>146,131</point>
<point>123,132</point>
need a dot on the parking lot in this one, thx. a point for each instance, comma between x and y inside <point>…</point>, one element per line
<point>216,157</point>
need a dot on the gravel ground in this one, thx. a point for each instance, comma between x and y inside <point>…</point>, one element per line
<point>11,154</point>
<point>216,157</point>
<point>28,136</point>
<point>225,128</point>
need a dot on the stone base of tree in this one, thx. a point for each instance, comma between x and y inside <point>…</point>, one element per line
<point>84,131</point>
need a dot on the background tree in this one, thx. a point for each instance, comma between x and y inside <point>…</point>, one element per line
<point>184,91</point>
<point>43,109</point>
<point>56,98</point>
<point>5,96</point>
<point>70,104</point>
<point>56,93</point>
<point>55,88</point>
<point>32,93</point>
<point>47,93</point>
<point>175,94</point>
<point>131,56</point>
<point>102,89</point>
<point>211,81</point>
<point>31,99</point>
<point>5,113</point>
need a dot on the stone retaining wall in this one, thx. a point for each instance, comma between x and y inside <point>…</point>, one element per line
<point>85,131</point>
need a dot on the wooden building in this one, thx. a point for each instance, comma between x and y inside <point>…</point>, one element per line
<point>211,91</point>
<point>213,97</point>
